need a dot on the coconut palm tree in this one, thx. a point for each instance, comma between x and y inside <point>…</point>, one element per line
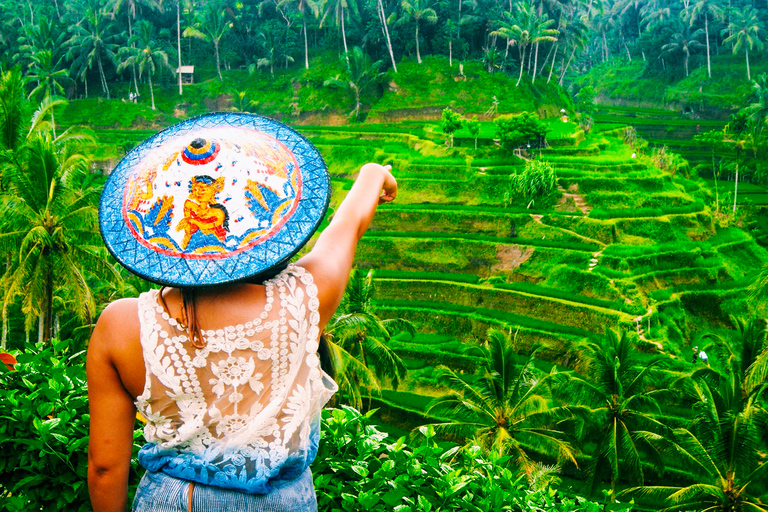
<point>146,53</point>
<point>620,411</point>
<point>340,11</point>
<point>528,29</point>
<point>43,71</point>
<point>130,7</point>
<point>682,41</point>
<point>92,42</point>
<point>49,225</point>
<point>212,26</point>
<point>704,9</point>
<point>361,74</point>
<point>746,32</point>
<point>506,408</point>
<point>722,446</point>
<point>356,340</point>
<point>302,6</point>
<point>418,11</point>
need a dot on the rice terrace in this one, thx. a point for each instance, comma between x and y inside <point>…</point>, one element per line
<point>565,306</point>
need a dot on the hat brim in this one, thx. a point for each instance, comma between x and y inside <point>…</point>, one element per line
<point>261,258</point>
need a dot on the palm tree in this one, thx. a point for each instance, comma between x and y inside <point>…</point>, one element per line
<point>735,133</point>
<point>213,26</point>
<point>116,7</point>
<point>43,71</point>
<point>92,43</point>
<point>381,12</point>
<point>357,339</point>
<point>340,10</point>
<point>506,409</point>
<point>703,8</point>
<point>745,32</point>
<point>620,411</point>
<point>361,74</point>
<point>145,53</point>
<point>722,445</point>
<point>682,41</point>
<point>528,29</point>
<point>301,6</point>
<point>418,11</point>
<point>49,225</point>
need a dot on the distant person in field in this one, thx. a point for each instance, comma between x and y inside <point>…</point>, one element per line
<point>704,358</point>
<point>222,362</point>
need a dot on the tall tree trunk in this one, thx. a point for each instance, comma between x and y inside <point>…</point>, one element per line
<point>706,32</point>
<point>306,44</point>
<point>450,52</point>
<point>717,195</point>
<point>746,51</point>
<point>151,90</point>
<point>522,65</point>
<point>344,36</point>
<point>552,67</point>
<point>104,85</point>
<point>418,54</point>
<point>85,82</point>
<point>535,63</point>
<point>383,16</point>
<point>48,312</point>
<point>4,339</point>
<point>736,183</point>
<point>458,25</point>
<point>133,66</point>
<point>178,41</point>
<point>562,73</point>
<point>218,62</point>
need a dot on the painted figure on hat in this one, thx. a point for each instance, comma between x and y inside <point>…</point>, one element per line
<point>203,215</point>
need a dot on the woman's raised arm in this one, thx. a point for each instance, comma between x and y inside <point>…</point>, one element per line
<point>330,260</point>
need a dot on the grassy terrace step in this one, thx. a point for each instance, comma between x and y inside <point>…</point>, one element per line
<point>472,208</point>
<point>637,213</point>
<point>554,243</point>
<point>447,317</point>
<point>526,304</point>
<point>480,258</point>
<point>497,224</point>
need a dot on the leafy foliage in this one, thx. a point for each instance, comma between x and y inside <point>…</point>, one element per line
<point>44,432</point>
<point>537,180</point>
<point>359,467</point>
<point>516,130</point>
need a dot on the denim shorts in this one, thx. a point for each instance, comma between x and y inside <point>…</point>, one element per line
<point>158,492</point>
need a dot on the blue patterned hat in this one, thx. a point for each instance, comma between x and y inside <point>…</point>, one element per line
<point>216,199</point>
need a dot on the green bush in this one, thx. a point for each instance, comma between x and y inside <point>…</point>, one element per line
<point>516,130</point>
<point>537,180</point>
<point>44,431</point>
<point>360,468</point>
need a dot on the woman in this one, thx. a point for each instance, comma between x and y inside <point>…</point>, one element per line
<point>223,432</point>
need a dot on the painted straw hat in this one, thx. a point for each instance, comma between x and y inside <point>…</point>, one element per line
<point>216,199</point>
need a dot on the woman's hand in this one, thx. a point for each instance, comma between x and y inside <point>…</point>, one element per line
<point>389,187</point>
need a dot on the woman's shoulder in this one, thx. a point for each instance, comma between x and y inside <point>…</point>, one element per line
<point>121,313</point>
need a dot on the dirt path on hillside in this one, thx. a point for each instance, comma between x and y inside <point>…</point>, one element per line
<point>510,257</point>
<point>537,218</point>
<point>573,196</point>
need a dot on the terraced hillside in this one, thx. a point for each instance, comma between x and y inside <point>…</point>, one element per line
<point>623,245</point>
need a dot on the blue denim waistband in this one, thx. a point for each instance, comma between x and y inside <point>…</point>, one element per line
<point>158,492</point>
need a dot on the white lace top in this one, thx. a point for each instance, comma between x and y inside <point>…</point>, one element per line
<point>243,411</point>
